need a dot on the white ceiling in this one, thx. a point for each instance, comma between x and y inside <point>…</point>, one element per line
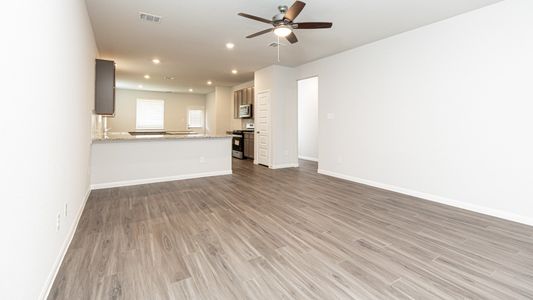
<point>190,40</point>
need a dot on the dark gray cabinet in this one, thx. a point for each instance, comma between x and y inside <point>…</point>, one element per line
<point>249,144</point>
<point>104,102</point>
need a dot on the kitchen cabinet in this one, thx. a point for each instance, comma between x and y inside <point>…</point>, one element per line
<point>104,102</point>
<point>242,97</point>
<point>236,103</point>
<point>248,96</point>
<point>249,145</point>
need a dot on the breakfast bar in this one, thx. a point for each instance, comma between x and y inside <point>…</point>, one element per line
<point>122,159</point>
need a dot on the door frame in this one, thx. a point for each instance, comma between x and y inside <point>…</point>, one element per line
<point>256,140</point>
<point>318,116</point>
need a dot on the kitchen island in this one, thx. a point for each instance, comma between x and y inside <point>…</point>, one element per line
<point>121,159</point>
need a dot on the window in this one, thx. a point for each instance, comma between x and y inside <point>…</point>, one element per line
<point>150,114</point>
<point>195,118</point>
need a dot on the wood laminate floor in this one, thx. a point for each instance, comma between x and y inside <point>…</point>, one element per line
<point>288,234</point>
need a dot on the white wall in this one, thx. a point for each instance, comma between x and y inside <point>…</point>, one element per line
<point>282,84</point>
<point>442,112</point>
<point>176,108</point>
<point>308,118</point>
<point>47,76</point>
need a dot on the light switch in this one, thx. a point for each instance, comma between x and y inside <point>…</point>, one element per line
<point>331,116</point>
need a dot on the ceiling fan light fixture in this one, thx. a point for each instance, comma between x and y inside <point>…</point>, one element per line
<point>282,31</point>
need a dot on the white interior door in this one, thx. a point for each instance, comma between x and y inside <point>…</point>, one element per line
<point>262,123</point>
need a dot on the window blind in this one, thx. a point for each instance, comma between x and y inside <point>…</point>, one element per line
<point>150,114</point>
<point>196,118</point>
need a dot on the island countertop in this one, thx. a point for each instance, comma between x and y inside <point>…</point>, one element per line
<point>126,136</point>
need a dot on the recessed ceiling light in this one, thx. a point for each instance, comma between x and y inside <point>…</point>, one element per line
<point>140,86</point>
<point>230,45</point>
<point>209,82</point>
<point>234,71</point>
<point>190,90</point>
<point>147,76</point>
<point>156,61</point>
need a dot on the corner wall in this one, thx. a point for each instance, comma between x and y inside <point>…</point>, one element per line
<point>48,54</point>
<point>282,84</point>
<point>210,114</point>
<point>442,112</point>
<point>218,110</point>
<point>223,100</point>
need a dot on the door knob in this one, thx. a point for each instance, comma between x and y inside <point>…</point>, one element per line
<point>258,132</point>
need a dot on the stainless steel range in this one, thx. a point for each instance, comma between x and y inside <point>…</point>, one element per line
<point>237,144</point>
<point>237,147</point>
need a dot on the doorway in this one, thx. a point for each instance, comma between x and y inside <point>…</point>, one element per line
<point>308,119</point>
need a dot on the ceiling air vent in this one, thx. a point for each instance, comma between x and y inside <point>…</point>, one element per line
<point>149,17</point>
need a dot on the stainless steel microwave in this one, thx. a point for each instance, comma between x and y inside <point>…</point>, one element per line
<point>245,111</point>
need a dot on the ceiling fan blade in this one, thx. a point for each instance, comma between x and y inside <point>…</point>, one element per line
<point>255,18</point>
<point>292,38</point>
<point>294,10</point>
<point>313,25</point>
<point>260,33</point>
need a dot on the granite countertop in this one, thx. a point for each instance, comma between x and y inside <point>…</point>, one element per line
<point>126,136</point>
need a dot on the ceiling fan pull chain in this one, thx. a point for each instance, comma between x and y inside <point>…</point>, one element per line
<point>279,46</point>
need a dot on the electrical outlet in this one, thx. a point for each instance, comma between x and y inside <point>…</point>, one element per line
<point>202,159</point>
<point>339,159</point>
<point>286,152</point>
<point>58,222</point>
<point>330,116</point>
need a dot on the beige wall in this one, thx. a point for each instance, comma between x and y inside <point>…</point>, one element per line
<point>224,98</point>
<point>176,106</point>
<point>218,110</point>
<point>210,113</point>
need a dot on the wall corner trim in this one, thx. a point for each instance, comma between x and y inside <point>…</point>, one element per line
<point>434,198</point>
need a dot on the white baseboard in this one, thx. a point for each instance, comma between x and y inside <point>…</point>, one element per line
<point>106,185</point>
<point>308,158</point>
<point>459,204</point>
<point>64,248</point>
<point>283,166</point>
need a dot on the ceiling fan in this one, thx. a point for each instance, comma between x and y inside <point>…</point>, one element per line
<point>284,24</point>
